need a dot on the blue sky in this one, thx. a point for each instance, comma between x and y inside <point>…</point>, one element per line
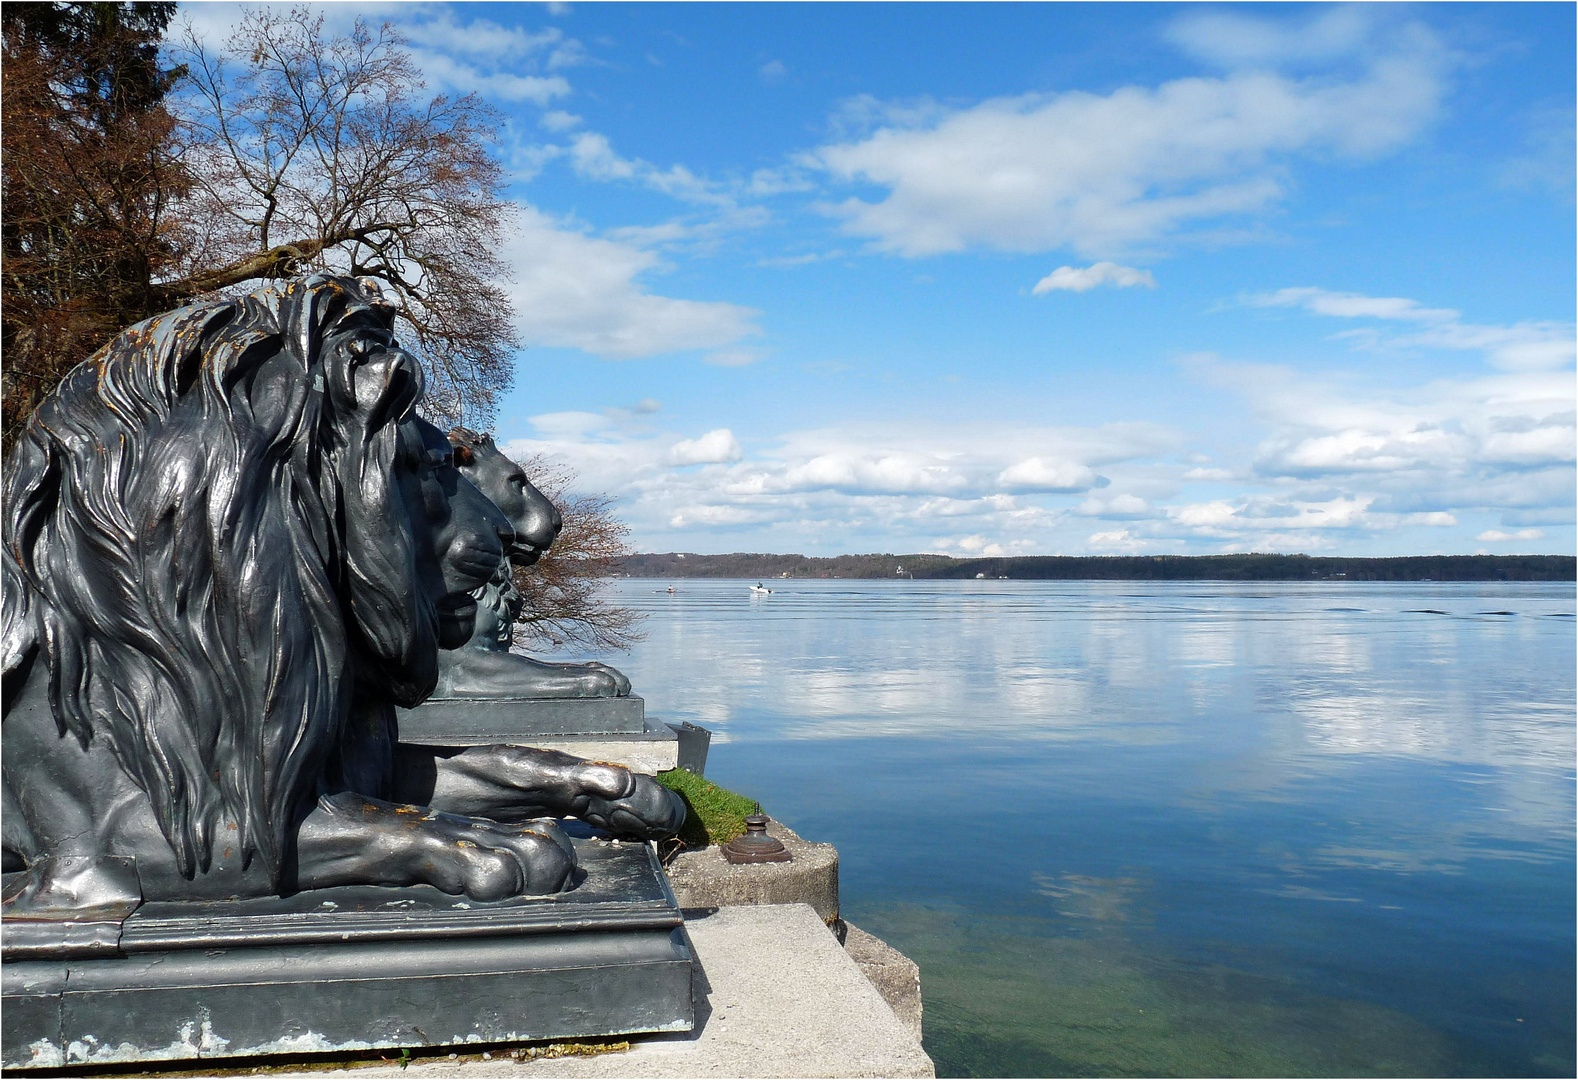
<point>1039,279</point>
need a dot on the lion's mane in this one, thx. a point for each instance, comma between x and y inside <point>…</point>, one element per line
<point>175,551</point>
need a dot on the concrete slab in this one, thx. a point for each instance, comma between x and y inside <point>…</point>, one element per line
<point>651,751</point>
<point>777,997</point>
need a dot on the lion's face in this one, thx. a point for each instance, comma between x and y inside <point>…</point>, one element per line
<point>534,520</point>
<point>419,535</point>
<point>464,531</point>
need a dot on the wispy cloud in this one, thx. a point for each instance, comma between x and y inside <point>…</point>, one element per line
<point>739,357</point>
<point>1080,279</point>
<point>1546,162</point>
<point>1234,40</point>
<point>481,56</point>
<point>1525,346</point>
<point>559,120</point>
<point>1497,536</point>
<point>593,158</point>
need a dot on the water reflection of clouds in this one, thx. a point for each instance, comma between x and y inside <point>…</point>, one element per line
<point>1269,781</point>
<point>1290,679</point>
<point>1375,722</point>
<point>1097,899</point>
<point>1353,680</point>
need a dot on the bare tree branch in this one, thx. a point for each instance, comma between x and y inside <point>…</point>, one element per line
<point>565,605</point>
<point>312,151</point>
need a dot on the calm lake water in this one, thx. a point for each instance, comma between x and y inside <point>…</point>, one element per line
<point>1185,828</point>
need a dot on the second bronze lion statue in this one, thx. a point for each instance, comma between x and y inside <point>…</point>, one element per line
<point>485,667</point>
<point>231,547</point>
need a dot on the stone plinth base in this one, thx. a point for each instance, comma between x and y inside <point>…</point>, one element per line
<point>599,729</point>
<point>655,750</point>
<point>776,996</point>
<point>362,968</point>
<point>483,721</point>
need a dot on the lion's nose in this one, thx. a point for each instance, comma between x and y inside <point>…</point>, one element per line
<point>542,525</point>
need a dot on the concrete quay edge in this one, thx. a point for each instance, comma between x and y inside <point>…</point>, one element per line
<point>704,879</point>
<point>776,997</point>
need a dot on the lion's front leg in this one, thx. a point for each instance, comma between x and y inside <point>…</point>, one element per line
<point>349,839</point>
<point>513,783</point>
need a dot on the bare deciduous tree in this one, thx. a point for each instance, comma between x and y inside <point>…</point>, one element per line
<point>565,605</point>
<point>316,151</point>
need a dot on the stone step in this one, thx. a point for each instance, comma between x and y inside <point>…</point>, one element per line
<point>652,748</point>
<point>776,996</point>
<point>705,880</point>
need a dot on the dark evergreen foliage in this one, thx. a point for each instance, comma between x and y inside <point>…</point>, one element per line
<point>88,184</point>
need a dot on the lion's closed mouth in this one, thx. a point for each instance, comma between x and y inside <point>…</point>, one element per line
<point>525,554</point>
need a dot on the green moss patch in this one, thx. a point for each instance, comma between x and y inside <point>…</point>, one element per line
<point>715,815</point>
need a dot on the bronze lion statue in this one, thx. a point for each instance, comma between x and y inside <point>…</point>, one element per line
<point>485,667</point>
<point>231,547</point>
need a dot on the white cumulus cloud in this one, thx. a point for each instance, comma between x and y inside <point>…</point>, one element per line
<point>1079,279</point>
<point>583,292</point>
<point>714,448</point>
<point>1102,173</point>
<point>1047,474</point>
<point>894,480</point>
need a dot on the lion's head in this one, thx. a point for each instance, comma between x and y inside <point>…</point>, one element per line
<point>534,519</point>
<point>219,527</point>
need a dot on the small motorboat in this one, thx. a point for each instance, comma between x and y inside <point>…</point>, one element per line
<point>760,590</point>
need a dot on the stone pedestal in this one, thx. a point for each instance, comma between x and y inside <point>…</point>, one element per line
<point>776,996</point>
<point>360,968</point>
<point>482,721</point>
<point>599,729</point>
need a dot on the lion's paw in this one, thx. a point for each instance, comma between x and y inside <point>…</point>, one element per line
<point>351,840</point>
<point>543,857</point>
<point>629,804</point>
<point>620,683</point>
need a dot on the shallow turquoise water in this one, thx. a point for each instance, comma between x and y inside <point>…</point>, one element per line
<point>1169,828</point>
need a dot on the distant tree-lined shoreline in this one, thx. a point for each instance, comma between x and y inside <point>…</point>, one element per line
<point>1248,567</point>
